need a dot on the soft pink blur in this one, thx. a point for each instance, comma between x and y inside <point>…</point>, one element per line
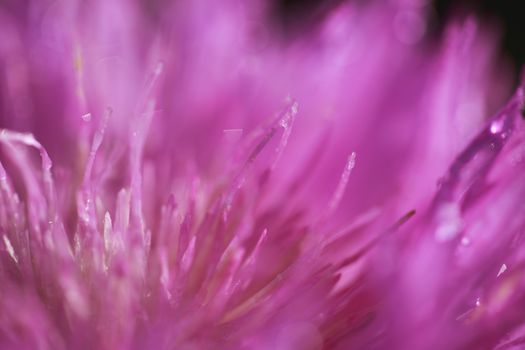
<point>196,181</point>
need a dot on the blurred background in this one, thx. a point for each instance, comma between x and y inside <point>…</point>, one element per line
<point>508,15</point>
<point>294,16</point>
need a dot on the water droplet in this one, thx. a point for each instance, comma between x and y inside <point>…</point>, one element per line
<point>295,108</point>
<point>450,222</point>
<point>497,126</point>
<point>86,117</point>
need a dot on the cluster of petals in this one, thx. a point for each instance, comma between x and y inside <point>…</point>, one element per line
<point>181,175</point>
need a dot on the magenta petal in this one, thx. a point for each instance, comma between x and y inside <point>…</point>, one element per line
<point>180,176</point>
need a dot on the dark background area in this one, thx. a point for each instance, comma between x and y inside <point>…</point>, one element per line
<point>509,14</point>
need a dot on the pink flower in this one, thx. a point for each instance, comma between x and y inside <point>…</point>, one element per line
<point>191,180</point>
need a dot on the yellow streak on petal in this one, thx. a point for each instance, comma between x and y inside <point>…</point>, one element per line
<point>251,302</point>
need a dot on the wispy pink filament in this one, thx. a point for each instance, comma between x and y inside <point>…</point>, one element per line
<point>174,182</point>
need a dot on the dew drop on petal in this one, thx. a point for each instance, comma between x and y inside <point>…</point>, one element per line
<point>496,126</point>
<point>86,117</point>
<point>450,222</point>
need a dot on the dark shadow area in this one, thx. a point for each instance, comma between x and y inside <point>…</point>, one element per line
<point>509,14</point>
<point>294,16</point>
